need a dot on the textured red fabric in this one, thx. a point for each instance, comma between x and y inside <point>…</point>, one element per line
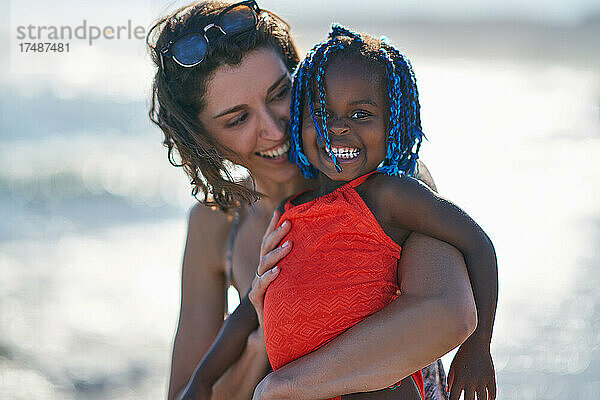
<point>342,268</point>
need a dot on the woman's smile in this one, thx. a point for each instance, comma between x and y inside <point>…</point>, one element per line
<point>278,153</point>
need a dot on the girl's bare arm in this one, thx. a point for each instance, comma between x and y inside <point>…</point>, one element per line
<point>415,207</point>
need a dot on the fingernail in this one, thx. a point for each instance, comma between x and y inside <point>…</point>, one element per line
<point>275,269</point>
<point>286,244</point>
<point>285,224</point>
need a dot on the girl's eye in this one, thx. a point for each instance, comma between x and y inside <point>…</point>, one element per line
<point>321,113</point>
<point>360,115</point>
<point>239,120</point>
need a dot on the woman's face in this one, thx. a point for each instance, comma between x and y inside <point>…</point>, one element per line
<point>247,111</point>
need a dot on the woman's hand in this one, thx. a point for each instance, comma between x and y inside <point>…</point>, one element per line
<point>270,255</point>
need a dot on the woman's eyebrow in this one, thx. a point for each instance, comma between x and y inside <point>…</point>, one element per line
<point>231,110</point>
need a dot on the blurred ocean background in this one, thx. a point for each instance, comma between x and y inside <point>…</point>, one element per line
<point>93,217</point>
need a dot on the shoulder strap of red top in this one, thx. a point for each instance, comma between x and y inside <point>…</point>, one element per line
<point>359,181</point>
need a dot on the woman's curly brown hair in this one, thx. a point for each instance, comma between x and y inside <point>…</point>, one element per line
<point>178,96</point>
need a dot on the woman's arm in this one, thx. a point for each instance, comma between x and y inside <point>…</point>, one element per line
<point>434,314</point>
<point>233,336</point>
<point>202,293</point>
<point>226,350</point>
<point>202,308</point>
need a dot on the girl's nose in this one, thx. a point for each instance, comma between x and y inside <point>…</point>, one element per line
<point>337,126</point>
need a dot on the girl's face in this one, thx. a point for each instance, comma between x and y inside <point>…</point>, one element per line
<point>356,112</point>
<point>247,112</point>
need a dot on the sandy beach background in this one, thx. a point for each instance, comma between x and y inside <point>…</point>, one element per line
<point>93,217</point>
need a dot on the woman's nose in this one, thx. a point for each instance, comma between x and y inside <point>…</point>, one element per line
<point>272,126</point>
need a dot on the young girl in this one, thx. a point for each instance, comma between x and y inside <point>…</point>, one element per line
<point>355,126</point>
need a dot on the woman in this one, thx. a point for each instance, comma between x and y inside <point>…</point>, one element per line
<point>221,97</point>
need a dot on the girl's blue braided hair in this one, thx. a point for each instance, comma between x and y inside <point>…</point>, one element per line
<point>404,126</point>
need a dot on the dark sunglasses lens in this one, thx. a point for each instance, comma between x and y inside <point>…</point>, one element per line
<point>190,49</point>
<point>238,19</point>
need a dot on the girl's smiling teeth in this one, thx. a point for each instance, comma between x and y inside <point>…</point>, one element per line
<point>343,153</point>
<point>275,152</point>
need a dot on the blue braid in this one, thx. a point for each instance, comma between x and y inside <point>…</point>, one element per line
<point>391,161</point>
<point>299,88</point>
<point>333,45</point>
<point>302,84</point>
<point>405,136</point>
<point>296,154</point>
<point>307,83</point>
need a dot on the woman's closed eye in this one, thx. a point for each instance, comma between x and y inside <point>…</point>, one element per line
<point>282,93</point>
<point>238,120</point>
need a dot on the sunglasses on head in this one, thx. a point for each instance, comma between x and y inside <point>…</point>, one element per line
<point>190,49</point>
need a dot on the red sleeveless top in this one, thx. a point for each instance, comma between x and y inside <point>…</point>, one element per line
<point>342,268</point>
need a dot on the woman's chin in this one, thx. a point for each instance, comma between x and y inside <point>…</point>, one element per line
<point>278,169</point>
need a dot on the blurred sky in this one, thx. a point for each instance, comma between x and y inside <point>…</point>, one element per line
<point>125,60</point>
<point>550,12</point>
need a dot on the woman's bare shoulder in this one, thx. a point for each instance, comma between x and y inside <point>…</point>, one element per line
<point>208,231</point>
<point>199,213</point>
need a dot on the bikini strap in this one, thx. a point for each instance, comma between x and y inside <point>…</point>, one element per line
<point>360,180</point>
